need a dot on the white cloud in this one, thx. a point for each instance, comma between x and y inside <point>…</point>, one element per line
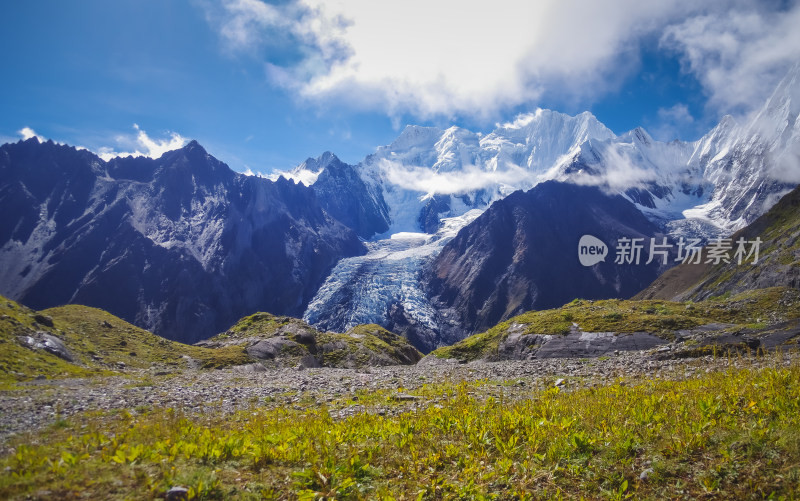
<point>142,145</point>
<point>618,174</point>
<point>738,55</point>
<point>468,57</point>
<point>303,176</point>
<point>470,178</point>
<point>250,172</point>
<point>126,144</point>
<point>671,121</point>
<point>27,133</point>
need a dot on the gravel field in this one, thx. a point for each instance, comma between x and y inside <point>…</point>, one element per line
<point>35,404</point>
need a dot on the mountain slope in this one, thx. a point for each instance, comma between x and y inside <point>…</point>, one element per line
<point>521,254</point>
<point>180,245</point>
<point>345,196</point>
<point>751,173</point>
<point>778,260</point>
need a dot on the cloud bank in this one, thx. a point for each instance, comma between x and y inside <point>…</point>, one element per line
<point>620,173</point>
<point>467,57</point>
<point>468,179</point>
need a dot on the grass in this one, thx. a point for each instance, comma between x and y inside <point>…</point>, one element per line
<point>658,317</point>
<point>103,344</point>
<point>733,434</point>
<point>93,331</point>
<point>362,342</point>
<point>19,363</point>
<point>98,341</point>
<point>256,325</point>
<point>361,346</point>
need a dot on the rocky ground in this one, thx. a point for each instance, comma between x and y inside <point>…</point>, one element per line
<point>35,404</point>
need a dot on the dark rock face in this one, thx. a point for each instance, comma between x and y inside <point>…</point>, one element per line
<point>345,196</point>
<point>422,337</point>
<point>181,245</point>
<point>522,254</point>
<point>429,215</point>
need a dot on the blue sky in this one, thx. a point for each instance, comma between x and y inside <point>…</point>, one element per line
<point>263,86</point>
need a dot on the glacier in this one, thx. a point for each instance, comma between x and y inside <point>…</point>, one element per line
<point>362,289</point>
<point>432,180</point>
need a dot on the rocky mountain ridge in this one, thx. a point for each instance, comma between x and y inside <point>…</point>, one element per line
<point>180,245</point>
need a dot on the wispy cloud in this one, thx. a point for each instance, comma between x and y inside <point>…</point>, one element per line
<point>250,172</point>
<point>27,133</point>
<point>142,145</point>
<point>470,178</point>
<point>738,54</point>
<point>618,173</point>
<point>466,57</point>
<point>671,121</point>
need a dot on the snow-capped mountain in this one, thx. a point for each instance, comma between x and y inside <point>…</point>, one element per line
<point>184,246</point>
<point>752,165</point>
<point>428,171</point>
<point>180,245</point>
<point>702,189</point>
<point>705,188</point>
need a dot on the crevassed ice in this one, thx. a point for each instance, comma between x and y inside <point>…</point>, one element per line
<point>361,289</point>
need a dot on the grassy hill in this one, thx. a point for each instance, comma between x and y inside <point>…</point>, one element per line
<point>757,312</point>
<point>284,341</point>
<point>78,341</point>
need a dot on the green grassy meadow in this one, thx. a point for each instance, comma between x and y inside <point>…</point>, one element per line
<point>732,434</point>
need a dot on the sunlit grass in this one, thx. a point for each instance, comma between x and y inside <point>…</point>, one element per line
<point>733,434</point>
